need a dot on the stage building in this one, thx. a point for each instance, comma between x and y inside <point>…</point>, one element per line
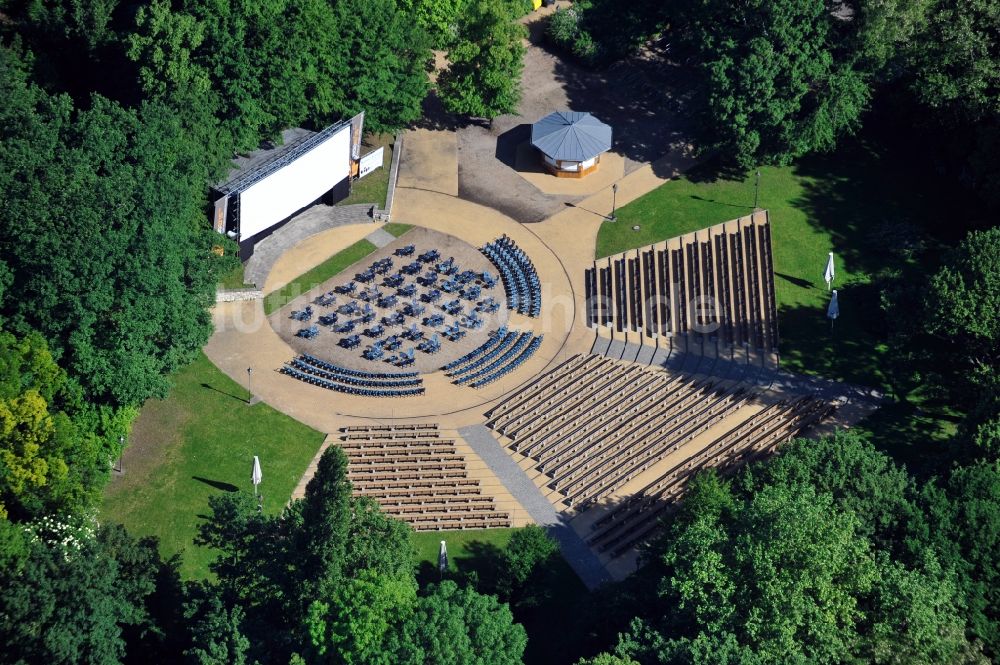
<point>268,187</point>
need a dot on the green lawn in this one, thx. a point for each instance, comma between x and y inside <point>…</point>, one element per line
<point>197,442</point>
<point>832,203</point>
<point>461,544</point>
<point>233,279</point>
<point>841,203</point>
<point>374,186</point>
<point>397,230</point>
<point>324,271</point>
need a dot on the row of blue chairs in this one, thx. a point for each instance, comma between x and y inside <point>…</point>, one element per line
<point>523,340</point>
<point>520,279</point>
<point>322,364</point>
<point>348,389</point>
<point>511,366</point>
<point>303,366</point>
<point>494,339</point>
<point>506,340</point>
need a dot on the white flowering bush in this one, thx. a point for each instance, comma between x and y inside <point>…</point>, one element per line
<point>67,533</point>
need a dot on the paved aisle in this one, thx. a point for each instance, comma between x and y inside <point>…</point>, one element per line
<point>574,550</point>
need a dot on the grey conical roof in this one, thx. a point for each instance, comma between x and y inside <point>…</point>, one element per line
<point>571,136</point>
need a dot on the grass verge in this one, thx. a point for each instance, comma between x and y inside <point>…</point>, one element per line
<point>233,279</point>
<point>198,442</point>
<point>463,547</point>
<point>392,228</point>
<point>324,271</point>
<point>374,187</point>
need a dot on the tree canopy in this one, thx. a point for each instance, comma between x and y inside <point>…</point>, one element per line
<point>483,78</point>
<point>776,83</point>
<point>782,565</point>
<point>333,580</point>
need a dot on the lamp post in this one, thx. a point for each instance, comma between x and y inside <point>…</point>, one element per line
<point>249,385</point>
<point>121,450</point>
<point>756,190</point>
<point>614,202</point>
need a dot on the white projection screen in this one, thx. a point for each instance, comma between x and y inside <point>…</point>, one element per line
<point>300,183</point>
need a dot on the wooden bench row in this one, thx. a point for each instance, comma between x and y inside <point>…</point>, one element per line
<point>390,428</point>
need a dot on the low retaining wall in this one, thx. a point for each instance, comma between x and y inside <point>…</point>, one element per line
<point>397,152</point>
<point>238,295</point>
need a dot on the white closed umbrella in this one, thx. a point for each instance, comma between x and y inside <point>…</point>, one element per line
<point>256,476</point>
<point>829,273</point>
<point>833,310</point>
<point>443,558</point>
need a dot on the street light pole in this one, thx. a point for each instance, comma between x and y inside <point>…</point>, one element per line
<point>756,190</point>
<point>121,451</point>
<point>614,202</point>
<point>249,385</point>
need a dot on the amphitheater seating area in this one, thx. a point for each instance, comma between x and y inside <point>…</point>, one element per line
<point>600,423</point>
<point>418,475</point>
<point>753,437</point>
<point>353,382</point>
<point>593,425</point>
<point>719,280</point>
<point>524,290</point>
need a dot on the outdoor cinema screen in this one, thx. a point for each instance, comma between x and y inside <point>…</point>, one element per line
<point>297,185</point>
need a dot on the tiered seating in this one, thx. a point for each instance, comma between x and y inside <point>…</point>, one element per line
<point>417,476</point>
<point>593,425</point>
<point>524,290</point>
<point>503,367</point>
<point>390,428</point>
<point>322,364</point>
<point>504,352</point>
<point>495,338</point>
<point>718,281</point>
<point>353,382</point>
<point>757,435</point>
<point>304,366</point>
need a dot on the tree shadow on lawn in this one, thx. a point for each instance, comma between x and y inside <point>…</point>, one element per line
<point>857,192</point>
<point>478,565</point>
<point>716,168</point>
<point>850,350</point>
<point>917,437</point>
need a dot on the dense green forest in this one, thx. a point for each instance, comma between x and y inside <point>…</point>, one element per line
<point>115,117</point>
